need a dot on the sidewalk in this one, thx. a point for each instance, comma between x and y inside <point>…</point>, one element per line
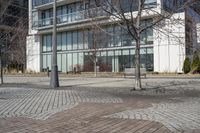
<point>88,105</point>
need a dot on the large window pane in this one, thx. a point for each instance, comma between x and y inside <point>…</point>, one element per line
<point>69,40</point>
<point>59,41</point>
<point>117,36</point>
<point>119,61</point>
<point>69,62</point>
<point>59,60</point>
<point>103,67</point>
<point>149,63</point>
<point>85,39</point>
<point>75,61</point>
<point>126,58</point>
<point>80,40</point>
<point>90,40</point>
<point>44,43</point>
<point>64,63</point>
<point>64,12</point>
<point>111,61</point>
<point>109,36</point>
<point>143,52</point>
<point>49,42</point>
<point>81,61</point>
<point>44,62</point>
<point>127,40</point>
<point>75,39</point>
<point>49,61</point>
<point>64,41</point>
<point>132,58</point>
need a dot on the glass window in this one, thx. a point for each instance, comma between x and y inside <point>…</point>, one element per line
<point>59,59</point>
<point>44,60</point>
<point>59,41</point>
<point>90,40</point>
<point>150,3</point>
<point>80,40</point>
<point>69,12</point>
<point>147,35</point>
<point>49,61</point>
<point>126,58</point>
<point>109,36</point>
<point>126,38</point>
<point>103,66</point>
<point>64,41</point>
<point>150,50</point>
<point>143,52</point>
<point>44,43</point>
<point>49,42</point>
<point>64,14</point>
<point>81,60</point>
<point>101,38</point>
<point>132,58</point>
<point>75,60</point>
<point>127,5</point>
<point>75,40</point>
<point>59,13</point>
<point>117,36</point>
<point>69,62</point>
<point>85,39</point>
<point>111,61</point>
<point>69,40</point>
<point>64,62</point>
<point>143,38</point>
<point>149,59</point>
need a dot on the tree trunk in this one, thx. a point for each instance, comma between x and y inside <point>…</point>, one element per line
<point>1,71</point>
<point>138,85</point>
<point>95,67</point>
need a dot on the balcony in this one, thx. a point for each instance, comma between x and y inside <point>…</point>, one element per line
<point>43,4</point>
<point>71,18</point>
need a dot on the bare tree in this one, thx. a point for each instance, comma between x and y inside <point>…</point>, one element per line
<point>13,34</point>
<point>18,43</point>
<point>130,13</point>
<point>3,35</point>
<point>97,35</point>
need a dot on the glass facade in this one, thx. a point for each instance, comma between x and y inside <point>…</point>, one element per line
<point>112,46</point>
<point>40,2</point>
<point>69,13</point>
<point>173,5</point>
<point>113,49</point>
<point>78,11</point>
<point>132,5</point>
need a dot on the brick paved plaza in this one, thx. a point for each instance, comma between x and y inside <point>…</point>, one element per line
<point>87,105</point>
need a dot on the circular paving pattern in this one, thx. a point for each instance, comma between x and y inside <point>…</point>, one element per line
<point>42,103</point>
<point>175,116</point>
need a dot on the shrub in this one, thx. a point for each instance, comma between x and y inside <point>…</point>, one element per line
<point>186,66</point>
<point>195,63</point>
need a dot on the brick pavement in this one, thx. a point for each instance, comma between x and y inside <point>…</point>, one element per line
<point>179,116</point>
<point>42,103</point>
<point>100,105</point>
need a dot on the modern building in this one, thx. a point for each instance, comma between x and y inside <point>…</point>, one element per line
<point>163,48</point>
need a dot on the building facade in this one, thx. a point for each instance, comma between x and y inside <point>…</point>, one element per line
<point>163,48</point>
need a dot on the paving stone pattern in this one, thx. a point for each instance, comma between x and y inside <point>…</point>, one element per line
<point>178,116</point>
<point>42,103</point>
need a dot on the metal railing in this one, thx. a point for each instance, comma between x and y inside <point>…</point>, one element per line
<point>41,2</point>
<point>71,17</point>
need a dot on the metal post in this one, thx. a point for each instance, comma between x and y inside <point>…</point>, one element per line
<point>54,82</point>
